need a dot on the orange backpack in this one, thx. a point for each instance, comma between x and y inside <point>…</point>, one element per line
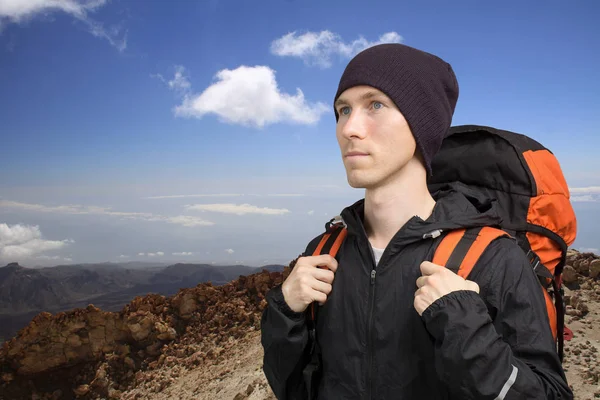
<point>533,199</point>
<point>532,196</point>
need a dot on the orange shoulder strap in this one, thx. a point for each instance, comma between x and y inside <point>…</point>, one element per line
<point>460,249</point>
<point>330,244</point>
<point>335,239</point>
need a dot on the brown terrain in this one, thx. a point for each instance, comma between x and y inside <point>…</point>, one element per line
<point>204,343</point>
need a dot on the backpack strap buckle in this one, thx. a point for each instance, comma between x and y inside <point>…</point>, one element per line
<point>337,222</point>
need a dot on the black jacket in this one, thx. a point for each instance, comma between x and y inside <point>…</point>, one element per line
<point>493,345</point>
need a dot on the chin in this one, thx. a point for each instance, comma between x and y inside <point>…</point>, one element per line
<point>358,182</point>
<point>356,185</point>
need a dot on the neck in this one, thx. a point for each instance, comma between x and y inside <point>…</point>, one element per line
<point>389,206</point>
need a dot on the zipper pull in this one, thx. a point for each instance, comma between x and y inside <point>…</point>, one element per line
<point>373,277</point>
<point>433,234</point>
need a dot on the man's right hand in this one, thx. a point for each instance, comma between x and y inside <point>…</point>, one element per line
<point>307,283</point>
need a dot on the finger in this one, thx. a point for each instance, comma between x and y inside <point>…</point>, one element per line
<point>321,287</point>
<point>472,286</point>
<point>420,305</point>
<point>318,296</point>
<point>324,260</point>
<point>323,275</point>
<point>429,268</point>
<point>422,281</point>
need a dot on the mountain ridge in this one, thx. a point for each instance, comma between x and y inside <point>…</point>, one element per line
<point>25,292</point>
<point>204,343</point>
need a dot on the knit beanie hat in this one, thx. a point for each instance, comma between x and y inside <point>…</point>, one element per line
<point>423,87</point>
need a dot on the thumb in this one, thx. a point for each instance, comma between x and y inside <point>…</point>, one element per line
<point>472,286</point>
<point>429,268</point>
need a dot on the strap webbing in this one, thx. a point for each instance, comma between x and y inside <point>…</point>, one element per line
<point>330,244</point>
<point>460,249</point>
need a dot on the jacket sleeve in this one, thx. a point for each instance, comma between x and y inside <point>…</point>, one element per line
<point>284,337</point>
<point>497,344</point>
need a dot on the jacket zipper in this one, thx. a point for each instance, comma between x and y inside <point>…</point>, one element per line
<point>370,348</point>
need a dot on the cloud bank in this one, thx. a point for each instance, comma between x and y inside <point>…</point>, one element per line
<point>184,220</point>
<point>18,11</point>
<point>585,194</point>
<point>26,241</point>
<point>241,209</point>
<point>318,48</point>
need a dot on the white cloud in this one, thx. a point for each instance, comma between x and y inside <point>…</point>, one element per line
<point>317,48</point>
<point>184,220</point>
<point>588,190</point>
<point>183,253</point>
<point>230,251</point>
<point>18,11</point>
<point>311,212</point>
<point>181,196</point>
<point>584,198</point>
<point>237,209</point>
<point>141,254</point>
<point>54,258</point>
<point>157,254</point>
<point>49,257</point>
<point>123,256</point>
<point>180,81</point>
<point>250,96</point>
<point>25,241</point>
<point>585,194</point>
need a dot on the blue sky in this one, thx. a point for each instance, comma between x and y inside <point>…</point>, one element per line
<point>112,111</point>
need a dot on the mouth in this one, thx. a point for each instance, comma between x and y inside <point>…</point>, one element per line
<point>356,154</point>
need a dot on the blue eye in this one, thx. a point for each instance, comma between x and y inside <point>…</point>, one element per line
<point>376,104</point>
<point>343,110</point>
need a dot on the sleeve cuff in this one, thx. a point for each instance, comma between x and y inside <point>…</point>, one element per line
<point>276,298</point>
<point>462,305</point>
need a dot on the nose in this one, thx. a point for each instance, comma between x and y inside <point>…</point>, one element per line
<point>354,126</point>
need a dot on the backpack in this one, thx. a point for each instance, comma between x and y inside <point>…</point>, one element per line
<point>533,200</point>
<point>532,196</point>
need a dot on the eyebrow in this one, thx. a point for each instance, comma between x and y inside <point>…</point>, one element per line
<point>365,96</point>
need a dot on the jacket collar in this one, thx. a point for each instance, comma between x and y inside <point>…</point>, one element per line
<point>457,206</point>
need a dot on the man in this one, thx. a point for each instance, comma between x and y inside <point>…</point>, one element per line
<point>392,325</point>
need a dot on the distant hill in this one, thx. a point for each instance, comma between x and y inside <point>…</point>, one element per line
<point>125,264</point>
<point>25,292</point>
<point>27,289</point>
<point>272,268</point>
<point>218,275</point>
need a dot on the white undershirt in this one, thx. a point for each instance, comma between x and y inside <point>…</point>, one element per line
<point>377,253</point>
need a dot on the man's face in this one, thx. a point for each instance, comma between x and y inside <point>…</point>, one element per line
<point>374,138</point>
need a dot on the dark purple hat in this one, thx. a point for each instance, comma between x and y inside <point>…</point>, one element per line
<point>423,87</point>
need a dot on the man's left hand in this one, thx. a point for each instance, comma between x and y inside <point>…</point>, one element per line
<point>437,281</point>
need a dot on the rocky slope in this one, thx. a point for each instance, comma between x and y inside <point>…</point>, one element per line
<point>24,292</point>
<point>90,353</point>
<point>204,343</point>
